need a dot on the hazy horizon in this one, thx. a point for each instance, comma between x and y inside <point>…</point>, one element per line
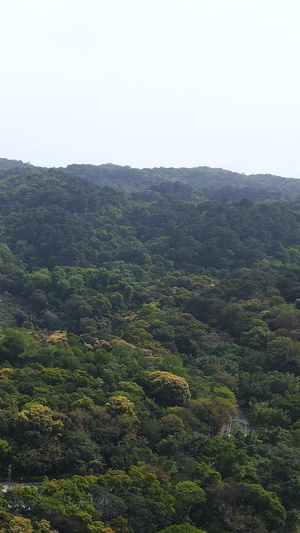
<point>148,168</point>
<point>152,84</point>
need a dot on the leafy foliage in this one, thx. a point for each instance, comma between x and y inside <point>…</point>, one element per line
<point>137,309</point>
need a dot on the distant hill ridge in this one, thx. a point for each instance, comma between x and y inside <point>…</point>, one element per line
<point>213,183</point>
<point>12,163</point>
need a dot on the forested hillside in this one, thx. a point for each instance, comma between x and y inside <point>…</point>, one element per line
<point>214,183</point>
<point>140,311</point>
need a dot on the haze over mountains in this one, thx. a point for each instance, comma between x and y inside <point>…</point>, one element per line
<point>213,183</point>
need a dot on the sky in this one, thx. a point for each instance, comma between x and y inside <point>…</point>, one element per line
<point>173,83</point>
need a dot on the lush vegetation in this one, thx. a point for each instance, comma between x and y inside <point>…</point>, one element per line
<point>137,309</point>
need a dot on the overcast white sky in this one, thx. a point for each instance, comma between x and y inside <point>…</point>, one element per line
<point>152,83</point>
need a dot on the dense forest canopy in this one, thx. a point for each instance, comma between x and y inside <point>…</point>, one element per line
<point>212,182</point>
<point>142,312</point>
